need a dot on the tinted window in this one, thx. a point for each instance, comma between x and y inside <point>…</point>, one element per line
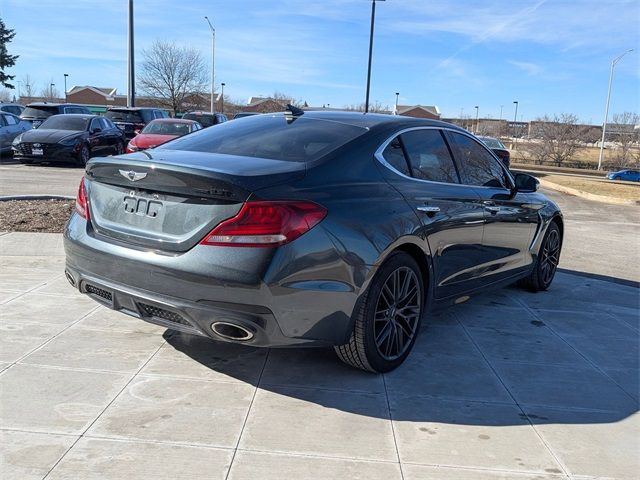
<point>167,128</point>
<point>394,156</point>
<point>40,111</point>
<point>478,165</point>
<point>492,142</point>
<point>301,140</point>
<point>3,121</point>
<point>65,122</point>
<point>206,120</point>
<point>429,156</point>
<point>124,116</point>
<point>108,123</point>
<point>10,120</point>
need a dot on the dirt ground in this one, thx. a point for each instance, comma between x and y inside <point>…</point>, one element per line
<point>35,215</point>
<point>627,190</point>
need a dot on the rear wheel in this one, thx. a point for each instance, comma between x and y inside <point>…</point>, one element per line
<point>119,148</point>
<point>84,155</point>
<point>387,321</point>
<point>547,262</point>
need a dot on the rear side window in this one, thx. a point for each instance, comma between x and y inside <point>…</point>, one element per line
<point>394,156</point>
<point>300,140</point>
<point>203,119</point>
<point>129,116</point>
<point>429,156</point>
<point>478,166</point>
<point>10,120</point>
<point>40,111</point>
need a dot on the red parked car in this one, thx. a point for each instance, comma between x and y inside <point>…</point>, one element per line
<point>160,131</point>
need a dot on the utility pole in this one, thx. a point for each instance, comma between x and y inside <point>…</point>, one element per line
<point>606,109</point>
<point>131,84</point>
<point>395,112</point>
<point>213,68</point>
<point>65,86</point>
<point>477,123</point>
<point>373,19</point>
<point>222,98</point>
<point>501,106</point>
<point>515,121</point>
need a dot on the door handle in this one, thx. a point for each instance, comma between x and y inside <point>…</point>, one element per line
<point>426,209</point>
<point>492,210</point>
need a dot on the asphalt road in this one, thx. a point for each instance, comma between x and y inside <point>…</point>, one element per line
<point>600,239</point>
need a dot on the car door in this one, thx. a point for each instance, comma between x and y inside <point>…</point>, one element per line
<point>421,168</point>
<point>511,219</point>
<point>5,141</point>
<point>97,138</point>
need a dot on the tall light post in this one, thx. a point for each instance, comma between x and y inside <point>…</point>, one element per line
<point>515,120</point>
<point>373,19</point>
<point>222,98</point>
<point>213,68</point>
<point>606,109</point>
<point>395,112</point>
<point>131,77</point>
<point>51,87</point>
<point>477,112</point>
<point>501,107</point>
<point>65,86</point>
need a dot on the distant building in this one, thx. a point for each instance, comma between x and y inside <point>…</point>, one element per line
<point>419,111</point>
<point>266,105</point>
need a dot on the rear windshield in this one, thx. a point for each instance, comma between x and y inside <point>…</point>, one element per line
<point>302,140</point>
<point>40,112</point>
<point>124,116</point>
<point>203,119</point>
<point>167,128</point>
<point>492,142</point>
<point>66,122</point>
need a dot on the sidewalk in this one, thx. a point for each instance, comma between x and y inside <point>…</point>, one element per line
<point>509,386</point>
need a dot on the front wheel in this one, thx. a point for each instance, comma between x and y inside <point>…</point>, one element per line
<point>547,262</point>
<point>84,155</point>
<point>119,148</point>
<point>387,321</point>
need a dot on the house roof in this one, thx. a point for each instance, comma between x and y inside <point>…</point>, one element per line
<point>104,91</point>
<point>433,109</point>
<point>258,100</point>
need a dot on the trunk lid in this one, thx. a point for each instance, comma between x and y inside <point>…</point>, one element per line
<point>169,200</point>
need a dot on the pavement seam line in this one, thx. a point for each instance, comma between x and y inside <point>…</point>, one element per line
<point>115,397</point>
<point>588,360</point>
<point>393,430</point>
<point>32,289</point>
<point>246,418</point>
<point>561,464</point>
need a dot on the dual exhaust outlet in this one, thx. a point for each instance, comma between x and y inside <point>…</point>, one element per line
<point>231,331</point>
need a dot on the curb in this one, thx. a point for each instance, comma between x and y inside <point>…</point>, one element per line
<point>8,198</point>
<point>587,195</point>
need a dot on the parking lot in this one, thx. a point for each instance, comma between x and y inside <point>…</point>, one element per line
<point>508,386</point>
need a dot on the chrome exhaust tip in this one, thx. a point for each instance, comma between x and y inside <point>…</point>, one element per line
<point>231,331</point>
<point>70,278</point>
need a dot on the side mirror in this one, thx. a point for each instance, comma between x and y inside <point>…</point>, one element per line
<point>526,183</point>
<point>96,130</point>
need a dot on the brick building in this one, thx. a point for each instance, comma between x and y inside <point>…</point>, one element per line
<point>419,111</point>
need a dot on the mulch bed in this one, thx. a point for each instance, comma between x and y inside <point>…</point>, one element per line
<point>35,215</point>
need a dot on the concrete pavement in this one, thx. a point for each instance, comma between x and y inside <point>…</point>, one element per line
<point>510,386</point>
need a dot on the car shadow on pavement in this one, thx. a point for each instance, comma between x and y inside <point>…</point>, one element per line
<point>508,358</point>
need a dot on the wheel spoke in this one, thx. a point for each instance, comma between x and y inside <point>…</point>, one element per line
<point>384,333</point>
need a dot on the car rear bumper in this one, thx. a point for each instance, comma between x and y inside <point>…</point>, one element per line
<point>191,291</point>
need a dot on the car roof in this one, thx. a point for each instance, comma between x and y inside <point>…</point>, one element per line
<point>368,120</point>
<point>46,104</point>
<point>199,112</point>
<point>6,104</point>
<point>132,109</point>
<point>173,120</point>
<point>83,115</point>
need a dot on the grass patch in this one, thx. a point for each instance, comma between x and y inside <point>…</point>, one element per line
<point>603,187</point>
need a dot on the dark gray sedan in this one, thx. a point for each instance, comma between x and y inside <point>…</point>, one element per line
<point>10,127</point>
<point>309,228</point>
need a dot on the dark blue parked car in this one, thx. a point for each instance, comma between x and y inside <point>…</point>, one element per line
<point>628,175</point>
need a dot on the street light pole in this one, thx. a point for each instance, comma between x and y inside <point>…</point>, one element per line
<point>515,120</point>
<point>222,98</point>
<point>477,125</point>
<point>51,87</point>
<point>501,106</point>
<point>213,68</point>
<point>395,112</point>
<point>606,109</point>
<point>65,86</point>
<point>373,18</point>
<point>131,87</point>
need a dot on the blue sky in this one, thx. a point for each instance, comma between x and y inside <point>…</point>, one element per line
<point>552,56</point>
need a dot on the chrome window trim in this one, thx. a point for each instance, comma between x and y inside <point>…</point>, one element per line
<point>378,155</point>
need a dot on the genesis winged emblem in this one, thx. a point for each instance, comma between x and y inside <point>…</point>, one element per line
<point>131,175</point>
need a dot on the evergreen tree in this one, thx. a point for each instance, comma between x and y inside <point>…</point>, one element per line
<point>6,60</point>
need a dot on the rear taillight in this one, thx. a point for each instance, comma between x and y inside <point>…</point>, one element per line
<point>82,201</point>
<point>266,224</point>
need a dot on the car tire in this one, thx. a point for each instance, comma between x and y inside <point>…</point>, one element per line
<point>378,326</point>
<point>24,161</point>
<point>84,155</point>
<point>119,148</point>
<point>546,263</point>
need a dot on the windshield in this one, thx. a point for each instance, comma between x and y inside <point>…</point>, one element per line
<point>124,116</point>
<point>492,142</point>
<point>204,119</point>
<point>66,122</point>
<point>40,112</point>
<point>167,128</point>
<point>302,140</point>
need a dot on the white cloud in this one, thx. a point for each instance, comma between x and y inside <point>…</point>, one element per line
<point>529,68</point>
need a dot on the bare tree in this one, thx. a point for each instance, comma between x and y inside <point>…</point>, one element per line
<point>624,130</point>
<point>560,138</point>
<point>28,84</point>
<point>6,95</point>
<point>171,72</point>
<point>375,107</point>
<point>50,91</point>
